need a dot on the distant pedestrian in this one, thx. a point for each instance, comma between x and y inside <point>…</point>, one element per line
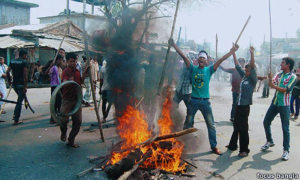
<point>295,98</point>
<point>87,84</point>
<point>105,91</point>
<point>55,74</point>
<point>2,82</point>
<point>284,83</point>
<point>78,66</point>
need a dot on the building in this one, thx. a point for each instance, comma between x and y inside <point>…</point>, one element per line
<point>40,40</point>
<point>87,22</point>
<point>15,12</point>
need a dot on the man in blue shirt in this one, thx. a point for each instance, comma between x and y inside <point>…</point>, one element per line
<point>200,76</point>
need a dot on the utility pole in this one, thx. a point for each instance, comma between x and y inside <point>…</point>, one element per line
<point>68,8</point>
<point>84,5</point>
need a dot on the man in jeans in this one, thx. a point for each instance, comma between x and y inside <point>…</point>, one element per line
<point>19,68</point>
<point>285,82</point>
<point>200,76</point>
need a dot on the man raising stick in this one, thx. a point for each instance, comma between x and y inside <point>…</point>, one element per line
<point>200,92</point>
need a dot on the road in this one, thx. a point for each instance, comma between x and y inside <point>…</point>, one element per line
<point>33,150</point>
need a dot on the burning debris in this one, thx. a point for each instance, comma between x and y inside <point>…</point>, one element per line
<point>140,149</point>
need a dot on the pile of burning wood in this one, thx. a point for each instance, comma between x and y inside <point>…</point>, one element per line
<point>140,149</point>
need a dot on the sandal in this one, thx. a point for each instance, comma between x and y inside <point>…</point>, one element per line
<point>52,122</point>
<point>103,120</point>
<point>216,151</point>
<point>233,149</point>
<point>72,145</point>
<point>17,123</point>
<point>63,137</point>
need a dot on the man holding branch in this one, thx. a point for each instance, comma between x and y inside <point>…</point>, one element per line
<point>244,100</point>
<point>284,83</point>
<point>201,76</point>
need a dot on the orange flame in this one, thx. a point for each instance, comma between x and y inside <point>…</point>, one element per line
<point>134,129</point>
<point>167,159</point>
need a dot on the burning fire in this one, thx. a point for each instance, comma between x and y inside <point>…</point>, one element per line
<point>134,129</point>
<point>167,159</point>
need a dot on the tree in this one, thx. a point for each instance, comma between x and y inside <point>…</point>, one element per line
<point>298,33</point>
<point>125,16</point>
<point>192,44</point>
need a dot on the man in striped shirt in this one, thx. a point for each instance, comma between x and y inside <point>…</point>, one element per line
<point>283,82</point>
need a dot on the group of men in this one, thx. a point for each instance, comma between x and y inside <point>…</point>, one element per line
<point>59,71</point>
<point>193,89</point>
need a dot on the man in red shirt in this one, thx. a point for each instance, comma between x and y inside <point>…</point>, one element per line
<point>69,99</point>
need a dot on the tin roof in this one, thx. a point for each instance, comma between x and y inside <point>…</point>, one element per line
<point>20,3</point>
<point>14,42</point>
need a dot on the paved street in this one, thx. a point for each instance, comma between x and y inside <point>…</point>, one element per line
<point>33,150</point>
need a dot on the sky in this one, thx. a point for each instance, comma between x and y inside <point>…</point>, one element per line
<point>225,18</point>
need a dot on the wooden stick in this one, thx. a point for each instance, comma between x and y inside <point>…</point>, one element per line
<point>90,169</point>
<point>92,86</point>
<point>149,141</point>
<point>85,171</point>
<point>270,36</point>
<point>61,42</point>
<point>216,46</point>
<point>189,163</point>
<point>128,173</point>
<point>187,174</point>
<point>139,103</point>
<point>176,134</point>
<point>54,60</point>
<point>243,30</point>
<point>2,107</point>
<point>168,52</point>
<point>98,158</point>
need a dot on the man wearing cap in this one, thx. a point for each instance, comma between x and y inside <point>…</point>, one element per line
<point>235,84</point>
<point>200,76</point>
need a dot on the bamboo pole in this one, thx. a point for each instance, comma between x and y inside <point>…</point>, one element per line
<point>243,30</point>
<point>168,51</point>
<point>92,86</point>
<point>62,42</point>
<point>216,46</point>
<point>54,60</point>
<point>176,134</point>
<point>270,36</point>
<point>136,106</point>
